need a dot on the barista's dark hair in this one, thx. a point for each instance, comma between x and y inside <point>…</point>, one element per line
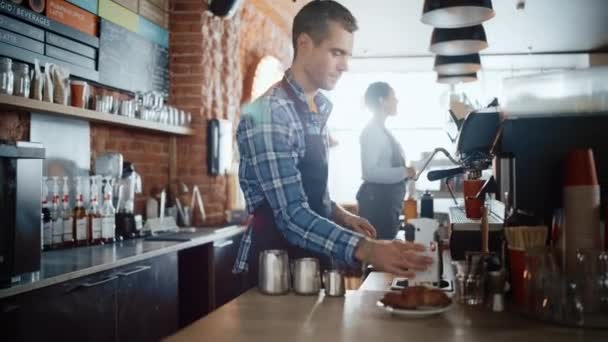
<point>313,19</point>
<point>375,92</point>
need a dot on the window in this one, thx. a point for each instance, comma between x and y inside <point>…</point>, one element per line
<point>420,125</point>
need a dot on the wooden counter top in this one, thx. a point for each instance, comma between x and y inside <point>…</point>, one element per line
<point>254,317</point>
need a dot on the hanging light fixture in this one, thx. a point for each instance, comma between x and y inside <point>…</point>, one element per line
<point>454,79</point>
<point>457,65</point>
<point>456,13</point>
<point>459,41</point>
<point>223,8</point>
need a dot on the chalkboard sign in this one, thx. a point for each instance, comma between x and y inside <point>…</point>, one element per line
<point>21,41</point>
<point>21,28</point>
<point>47,24</point>
<point>128,61</point>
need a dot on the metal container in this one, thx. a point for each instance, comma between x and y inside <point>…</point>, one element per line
<point>273,272</point>
<point>306,276</point>
<point>496,288</point>
<point>333,281</point>
<point>109,164</point>
<point>506,177</point>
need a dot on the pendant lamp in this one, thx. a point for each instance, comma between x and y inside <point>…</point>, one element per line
<point>455,79</point>
<point>456,13</point>
<point>457,65</point>
<point>459,41</point>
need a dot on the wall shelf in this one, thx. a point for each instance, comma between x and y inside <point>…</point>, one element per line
<point>20,103</point>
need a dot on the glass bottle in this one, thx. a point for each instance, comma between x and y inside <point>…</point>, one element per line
<point>80,217</point>
<point>67,215</point>
<point>108,222</point>
<point>95,219</point>
<point>56,218</point>
<point>410,206</point>
<point>21,84</point>
<point>6,76</point>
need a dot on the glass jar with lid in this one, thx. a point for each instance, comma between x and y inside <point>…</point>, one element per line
<point>6,76</point>
<point>21,85</point>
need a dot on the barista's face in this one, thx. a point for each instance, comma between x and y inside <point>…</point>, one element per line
<point>325,62</point>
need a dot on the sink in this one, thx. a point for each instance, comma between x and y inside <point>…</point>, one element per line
<point>184,234</point>
<point>188,233</point>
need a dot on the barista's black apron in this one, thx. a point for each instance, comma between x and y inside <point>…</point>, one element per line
<point>314,171</point>
<point>381,204</point>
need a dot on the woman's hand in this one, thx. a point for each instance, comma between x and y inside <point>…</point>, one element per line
<point>410,172</point>
<point>359,225</point>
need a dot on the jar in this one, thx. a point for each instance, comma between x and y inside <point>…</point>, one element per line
<point>6,76</point>
<point>21,85</point>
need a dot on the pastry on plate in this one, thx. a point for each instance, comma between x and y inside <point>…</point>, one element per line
<point>416,296</point>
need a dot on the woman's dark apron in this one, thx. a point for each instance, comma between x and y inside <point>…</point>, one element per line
<point>381,204</point>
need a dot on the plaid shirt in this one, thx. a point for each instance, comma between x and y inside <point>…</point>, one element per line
<point>271,143</point>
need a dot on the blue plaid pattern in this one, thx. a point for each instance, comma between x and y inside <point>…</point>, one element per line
<point>271,141</point>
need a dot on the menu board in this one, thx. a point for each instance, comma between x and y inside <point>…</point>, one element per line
<point>128,61</point>
<point>47,24</point>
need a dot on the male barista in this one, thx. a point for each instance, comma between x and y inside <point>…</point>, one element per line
<point>283,144</point>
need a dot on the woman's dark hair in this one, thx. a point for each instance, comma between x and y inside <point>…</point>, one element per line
<point>375,92</point>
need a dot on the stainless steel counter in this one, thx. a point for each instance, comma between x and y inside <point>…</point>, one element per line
<point>62,265</point>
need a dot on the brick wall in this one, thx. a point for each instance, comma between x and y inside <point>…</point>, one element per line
<point>210,60</point>
<point>14,125</point>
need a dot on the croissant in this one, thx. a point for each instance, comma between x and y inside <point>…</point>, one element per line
<point>416,296</point>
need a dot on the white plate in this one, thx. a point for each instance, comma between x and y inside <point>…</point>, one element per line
<point>416,313</point>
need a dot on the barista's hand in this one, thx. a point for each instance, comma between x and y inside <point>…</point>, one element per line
<point>359,225</point>
<point>397,257</point>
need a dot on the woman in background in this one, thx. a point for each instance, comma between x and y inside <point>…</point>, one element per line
<point>380,197</point>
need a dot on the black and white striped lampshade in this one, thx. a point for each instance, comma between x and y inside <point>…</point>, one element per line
<point>457,65</point>
<point>456,13</point>
<point>459,41</point>
<point>455,79</point>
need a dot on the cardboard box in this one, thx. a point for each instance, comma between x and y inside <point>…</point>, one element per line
<point>73,16</point>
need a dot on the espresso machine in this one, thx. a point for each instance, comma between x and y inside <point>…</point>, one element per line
<point>475,153</point>
<point>20,209</point>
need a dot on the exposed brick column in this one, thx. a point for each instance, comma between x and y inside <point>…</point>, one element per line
<point>210,58</point>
